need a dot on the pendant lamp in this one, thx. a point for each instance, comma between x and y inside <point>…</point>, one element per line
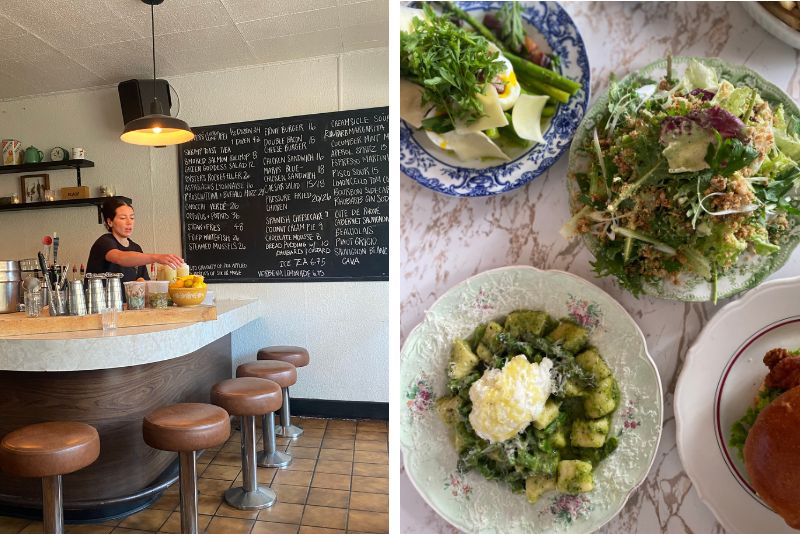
<point>156,129</point>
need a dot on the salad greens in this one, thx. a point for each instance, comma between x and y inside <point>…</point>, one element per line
<point>686,178</point>
<point>559,448</point>
<point>453,66</point>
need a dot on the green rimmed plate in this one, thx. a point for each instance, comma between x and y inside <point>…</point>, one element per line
<point>751,268</point>
<point>468,500</point>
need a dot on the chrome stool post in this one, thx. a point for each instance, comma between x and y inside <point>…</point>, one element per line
<point>271,456</point>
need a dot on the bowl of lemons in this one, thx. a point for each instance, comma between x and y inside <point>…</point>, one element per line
<point>188,290</point>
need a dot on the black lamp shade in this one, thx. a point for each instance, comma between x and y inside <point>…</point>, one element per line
<point>157,130</point>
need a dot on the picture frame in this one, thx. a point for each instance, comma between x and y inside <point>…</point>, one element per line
<point>33,187</point>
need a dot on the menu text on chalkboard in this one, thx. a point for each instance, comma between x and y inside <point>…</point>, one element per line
<point>294,199</point>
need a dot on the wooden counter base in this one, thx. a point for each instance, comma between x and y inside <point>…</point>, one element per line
<point>114,401</point>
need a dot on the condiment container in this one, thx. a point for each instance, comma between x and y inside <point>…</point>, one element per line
<point>157,294</point>
<point>135,295</point>
<point>165,272</point>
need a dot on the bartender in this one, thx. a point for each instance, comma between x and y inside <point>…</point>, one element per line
<point>116,252</point>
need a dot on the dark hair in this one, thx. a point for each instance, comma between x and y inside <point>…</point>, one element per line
<point>109,209</point>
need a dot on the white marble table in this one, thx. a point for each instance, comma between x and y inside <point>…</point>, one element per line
<point>445,240</point>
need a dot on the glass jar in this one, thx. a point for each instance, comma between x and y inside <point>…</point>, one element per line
<point>33,303</point>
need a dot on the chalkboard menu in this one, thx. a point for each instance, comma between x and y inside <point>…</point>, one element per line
<point>296,199</point>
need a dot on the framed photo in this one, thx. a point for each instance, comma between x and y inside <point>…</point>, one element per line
<point>33,187</point>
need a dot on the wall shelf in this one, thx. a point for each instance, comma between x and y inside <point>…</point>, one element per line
<point>98,202</point>
<point>76,164</point>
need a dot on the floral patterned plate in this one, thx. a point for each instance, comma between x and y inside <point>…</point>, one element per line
<point>720,377</point>
<point>553,30</point>
<point>468,500</point>
<point>751,269</point>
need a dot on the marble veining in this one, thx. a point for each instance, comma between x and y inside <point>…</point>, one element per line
<point>123,347</point>
<point>445,240</point>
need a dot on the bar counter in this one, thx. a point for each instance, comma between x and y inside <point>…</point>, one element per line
<point>111,381</point>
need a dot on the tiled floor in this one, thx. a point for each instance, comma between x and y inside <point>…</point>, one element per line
<point>338,482</point>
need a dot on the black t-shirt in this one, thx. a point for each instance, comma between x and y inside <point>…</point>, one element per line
<point>98,264</point>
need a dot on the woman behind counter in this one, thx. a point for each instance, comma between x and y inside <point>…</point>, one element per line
<point>115,252</point>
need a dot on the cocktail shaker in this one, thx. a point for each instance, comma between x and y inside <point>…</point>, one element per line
<point>95,294</point>
<point>114,291</point>
<point>77,300</point>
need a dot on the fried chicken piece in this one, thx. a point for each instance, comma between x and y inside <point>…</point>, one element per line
<point>773,356</point>
<point>785,374</point>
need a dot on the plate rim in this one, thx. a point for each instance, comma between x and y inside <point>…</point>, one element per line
<point>586,87</point>
<point>692,354</point>
<point>647,357</point>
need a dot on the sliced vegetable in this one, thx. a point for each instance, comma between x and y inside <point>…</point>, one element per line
<point>527,117</point>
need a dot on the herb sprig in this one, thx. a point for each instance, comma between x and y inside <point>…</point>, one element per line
<point>452,65</point>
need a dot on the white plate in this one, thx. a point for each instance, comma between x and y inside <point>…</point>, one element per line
<point>468,500</point>
<point>774,26</point>
<point>720,377</point>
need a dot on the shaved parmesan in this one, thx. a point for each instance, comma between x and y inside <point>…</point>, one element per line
<point>493,116</point>
<point>469,146</point>
<point>527,117</point>
<point>411,109</point>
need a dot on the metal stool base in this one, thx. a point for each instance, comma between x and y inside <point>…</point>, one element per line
<point>291,431</point>
<point>273,459</point>
<point>250,500</point>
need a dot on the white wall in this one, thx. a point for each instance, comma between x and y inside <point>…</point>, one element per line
<point>344,325</point>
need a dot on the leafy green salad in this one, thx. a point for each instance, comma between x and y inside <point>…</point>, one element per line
<point>685,179</point>
<point>530,404</point>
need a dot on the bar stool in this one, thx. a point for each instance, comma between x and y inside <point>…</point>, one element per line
<point>248,397</point>
<point>297,356</point>
<point>186,428</point>
<point>48,451</point>
<point>283,374</point>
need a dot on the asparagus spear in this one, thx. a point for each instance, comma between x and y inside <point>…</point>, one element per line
<point>537,87</point>
<point>520,65</point>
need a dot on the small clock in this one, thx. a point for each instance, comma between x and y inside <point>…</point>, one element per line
<point>59,154</point>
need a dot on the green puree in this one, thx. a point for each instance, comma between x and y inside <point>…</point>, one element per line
<point>558,450</point>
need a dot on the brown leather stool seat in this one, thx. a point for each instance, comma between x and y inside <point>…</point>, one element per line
<point>249,397</point>
<point>282,373</point>
<point>186,427</point>
<point>297,356</point>
<point>47,451</point>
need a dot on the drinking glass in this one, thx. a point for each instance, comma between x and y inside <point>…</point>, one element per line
<point>109,318</point>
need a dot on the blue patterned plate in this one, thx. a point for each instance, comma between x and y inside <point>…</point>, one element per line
<point>422,161</point>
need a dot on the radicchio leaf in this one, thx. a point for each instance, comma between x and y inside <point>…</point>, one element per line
<point>726,123</point>
<point>703,94</point>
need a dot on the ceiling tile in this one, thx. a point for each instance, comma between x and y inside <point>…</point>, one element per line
<point>11,87</point>
<point>364,12</point>
<point>122,61</point>
<point>246,10</point>
<point>298,46</point>
<point>89,34</point>
<point>50,45</point>
<point>178,17</point>
<point>9,29</point>
<point>372,35</point>
<point>311,21</point>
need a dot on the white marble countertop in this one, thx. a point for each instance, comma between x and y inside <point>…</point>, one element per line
<point>122,347</point>
<point>445,240</point>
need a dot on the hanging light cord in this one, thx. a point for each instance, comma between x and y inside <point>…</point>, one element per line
<point>153,33</point>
